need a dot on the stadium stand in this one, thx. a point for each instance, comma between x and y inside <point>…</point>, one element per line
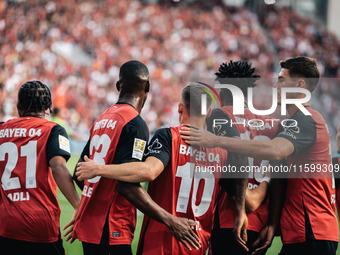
<point>76,47</point>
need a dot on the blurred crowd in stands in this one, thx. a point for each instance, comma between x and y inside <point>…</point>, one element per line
<point>76,48</point>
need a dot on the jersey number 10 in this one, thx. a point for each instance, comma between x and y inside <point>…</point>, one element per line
<point>191,177</point>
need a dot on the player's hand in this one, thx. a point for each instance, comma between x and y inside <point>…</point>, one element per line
<point>266,174</point>
<point>86,170</point>
<point>264,240</point>
<point>182,230</point>
<point>198,137</point>
<point>240,229</point>
<point>69,227</point>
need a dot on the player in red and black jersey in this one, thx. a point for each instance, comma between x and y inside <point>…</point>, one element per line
<point>307,215</point>
<point>33,155</point>
<point>256,193</point>
<point>336,171</point>
<point>106,219</point>
<point>177,185</point>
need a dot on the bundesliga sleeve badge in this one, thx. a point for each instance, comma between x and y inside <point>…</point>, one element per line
<point>138,148</point>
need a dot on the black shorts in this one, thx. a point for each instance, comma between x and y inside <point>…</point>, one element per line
<point>310,247</point>
<point>223,242</point>
<point>104,248</point>
<point>18,247</point>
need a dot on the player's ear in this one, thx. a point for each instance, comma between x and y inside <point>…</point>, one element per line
<point>118,85</point>
<point>147,87</point>
<point>302,84</point>
<point>180,107</point>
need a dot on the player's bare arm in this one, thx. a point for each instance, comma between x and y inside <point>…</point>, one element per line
<point>240,184</point>
<point>64,181</point>
<point>277,192</point>
<point>255,197</point>
<point>127,172</point>
<point>275,149</point>
<point>80,183</point>
<point>180,228</point>
<point>241,220</point>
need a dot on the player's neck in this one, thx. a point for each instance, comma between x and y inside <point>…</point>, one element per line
<point>197,122</point>
<point>135,101</point>
<point>33,114</point>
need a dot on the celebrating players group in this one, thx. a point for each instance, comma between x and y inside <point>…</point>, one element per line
<point>187,209</point>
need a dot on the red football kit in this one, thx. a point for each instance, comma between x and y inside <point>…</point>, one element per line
<point>246,126</point>
<point>310,202</point>
<point>29,209</point>
<point>186,188</point>
<point>119,135</point>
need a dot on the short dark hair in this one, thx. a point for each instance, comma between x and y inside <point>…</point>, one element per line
<point>303,67</point>
<point>192,97</point>
<point>130,77</point>
<point>34,97</point>
<point>238,73</point>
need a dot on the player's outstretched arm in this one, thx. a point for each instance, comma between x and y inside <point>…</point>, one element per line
<point>180,228</point>
<point>64,181</point>
<point>127,172</point>
<point>275,149</point>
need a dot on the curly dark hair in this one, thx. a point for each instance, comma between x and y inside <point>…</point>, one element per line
<point>34,97</point>
<point>238,73</point>
<point>303,67</point>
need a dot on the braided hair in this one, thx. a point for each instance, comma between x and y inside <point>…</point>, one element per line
<point>238,73</point>
<point>34,97</point>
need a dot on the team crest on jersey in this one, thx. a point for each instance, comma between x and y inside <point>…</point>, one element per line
<point>154,147</point>
<point>217,130</point>
<point>64,143</point>
<point>138,148</point>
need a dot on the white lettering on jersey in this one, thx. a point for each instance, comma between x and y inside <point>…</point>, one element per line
<point>13,132</point>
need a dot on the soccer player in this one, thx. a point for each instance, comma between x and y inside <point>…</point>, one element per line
<point>33,155</point>
<point>106,219</point>
<point>240,74</point>
<point>181,184</point>
<point>308,220</point>
<point>336,164</point>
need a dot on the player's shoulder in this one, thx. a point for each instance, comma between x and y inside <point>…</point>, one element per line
<point>137,122</point>
<point>166,132</point>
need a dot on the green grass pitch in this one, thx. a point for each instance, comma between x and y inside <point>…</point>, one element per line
<point>76,249</point>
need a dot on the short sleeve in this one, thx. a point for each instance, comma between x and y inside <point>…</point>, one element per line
<point>300,130</point>
<point>132,141</point>
<point>58,143</point>
<point>86,150</point>
<point>160,146</point>
<point>219,124</point>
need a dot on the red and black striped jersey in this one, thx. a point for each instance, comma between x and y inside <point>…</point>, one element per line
<point>118,136</point>
<point>29,210</point>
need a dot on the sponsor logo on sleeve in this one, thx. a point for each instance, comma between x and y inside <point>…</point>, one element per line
<point>64,143</point>
<point>138,148</point>
<point>155,147</point>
